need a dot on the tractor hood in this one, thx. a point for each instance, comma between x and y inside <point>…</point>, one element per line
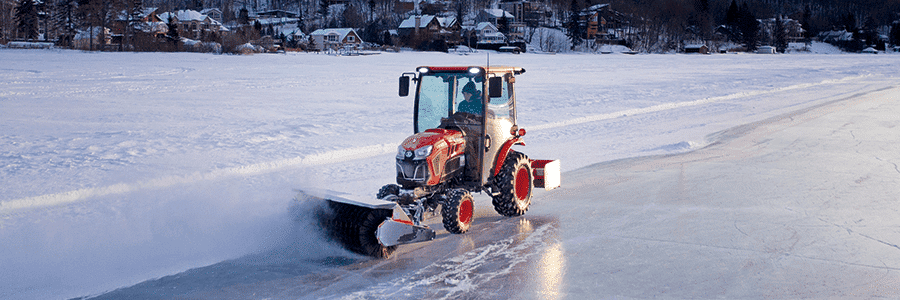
<point>436,137</point>
<point>430,157</point>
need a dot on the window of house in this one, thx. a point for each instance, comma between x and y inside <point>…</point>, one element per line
<point>350,38</point>
<point>331,38</point>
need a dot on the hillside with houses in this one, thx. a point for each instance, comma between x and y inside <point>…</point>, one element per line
<point>348,26</point>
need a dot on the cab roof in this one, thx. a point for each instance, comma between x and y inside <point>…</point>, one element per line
<point>490,69</point>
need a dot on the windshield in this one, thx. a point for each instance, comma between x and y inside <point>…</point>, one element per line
<point>443,94</point>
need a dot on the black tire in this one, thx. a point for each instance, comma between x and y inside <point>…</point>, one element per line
<point>368,243</point>
<point>354,227</point>
<point>515,186</point>
<point>459,211</point>
<point>388,190</point>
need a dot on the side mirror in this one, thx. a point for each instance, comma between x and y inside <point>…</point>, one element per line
<point>404,86</point>
<point>496,87</point>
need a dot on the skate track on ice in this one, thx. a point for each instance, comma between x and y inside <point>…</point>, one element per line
<point>800,205</point>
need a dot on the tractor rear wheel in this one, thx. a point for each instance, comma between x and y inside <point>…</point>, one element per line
<point>514,184</point>
<point>459,211</point>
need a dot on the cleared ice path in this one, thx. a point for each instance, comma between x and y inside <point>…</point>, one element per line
<point>801,205</point>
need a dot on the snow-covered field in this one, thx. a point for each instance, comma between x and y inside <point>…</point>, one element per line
<point>123,167</point>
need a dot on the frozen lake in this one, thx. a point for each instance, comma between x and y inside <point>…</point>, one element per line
<point>723,176</point>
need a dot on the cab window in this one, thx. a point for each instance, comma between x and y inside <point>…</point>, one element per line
<point>501,107</point>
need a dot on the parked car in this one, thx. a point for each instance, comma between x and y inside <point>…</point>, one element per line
<point>512,49</point>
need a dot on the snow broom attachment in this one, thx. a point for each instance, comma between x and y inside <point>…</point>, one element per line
<point>367,226</point>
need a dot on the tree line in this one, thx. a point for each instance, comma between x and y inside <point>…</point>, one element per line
<point>657,25</point>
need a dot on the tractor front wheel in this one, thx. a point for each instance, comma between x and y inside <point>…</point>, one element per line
<point>514,184</point>
<point>388,190</point>
<point>459,211</point>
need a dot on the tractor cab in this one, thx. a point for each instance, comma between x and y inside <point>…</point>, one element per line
<point>477,103</point>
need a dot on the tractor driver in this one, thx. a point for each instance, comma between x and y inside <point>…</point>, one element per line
<point>472,103</point>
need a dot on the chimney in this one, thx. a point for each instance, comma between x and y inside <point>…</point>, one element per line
<point>418,23</point>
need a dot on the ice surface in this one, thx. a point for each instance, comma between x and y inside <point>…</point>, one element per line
<point>124,167</point>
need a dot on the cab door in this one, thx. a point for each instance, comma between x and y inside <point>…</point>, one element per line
<point>499,118</point>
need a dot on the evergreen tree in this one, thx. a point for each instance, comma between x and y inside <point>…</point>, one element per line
<point>27,19</point>
<point>748,25</point>
<point>574,27</point>
<point>806,22</point>
<point>895,33</point>
<point>173,32</point>
<point>780,35</point>
<point>503,24</point>
<point>849,22</point>
<point>323,10</point>
<point>172,28</point>
<point>311,44</point>
<point>244,16</point>
<point>732,15</point>
<point>64,20</point>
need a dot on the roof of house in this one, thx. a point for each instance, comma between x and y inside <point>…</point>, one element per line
<point>597,7</point>
<point>482,25</point>
<point>182,15</point>
<point>498,13</point>
<point>425,20</point>
<point>341,32</point>
<point>145,12</point>
<point>411,21</point>
<point>188,15</point>
<point>447,22</point>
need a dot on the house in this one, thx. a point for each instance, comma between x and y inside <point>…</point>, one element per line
<point>194,25</point>
<point>527,12</point>
<point>493,16</point>
<point>488,36</point>
<point>835,36</point>
<point>524,13</point>
<point>696,48</point>
<point>603,24</point>
<point>213,13</point>
<point>94,38</point>
<point>514,31</point>
<point>142,20</point>
<point>416,29</point>
<point>335,38</point>
<point>792,30</point>
<point>143,23</point>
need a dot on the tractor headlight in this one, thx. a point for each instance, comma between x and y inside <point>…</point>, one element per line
<point>423,152</point>
<point>400,152</point>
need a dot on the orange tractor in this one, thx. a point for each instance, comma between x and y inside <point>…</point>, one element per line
<point>464,129</point>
